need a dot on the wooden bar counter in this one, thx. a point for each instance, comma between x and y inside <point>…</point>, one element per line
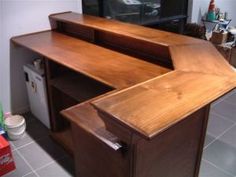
<point>126,100</point>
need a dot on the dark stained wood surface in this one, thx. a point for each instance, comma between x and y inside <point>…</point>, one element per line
<point>157,115</point>
<point>65,137</point>
<point>152,107</point>
<point>112,26</point>
<point>80,117</point>
<point>175,152</point>
<point>187,53</point>
<point>202,58</point>
<point>112,68</point>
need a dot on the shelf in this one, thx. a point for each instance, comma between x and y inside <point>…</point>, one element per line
<point>79,87</point>
<point>101,64</point>
<point>64,138</point>
<point>226,22</point>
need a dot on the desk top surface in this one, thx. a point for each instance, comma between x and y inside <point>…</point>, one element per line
<point>200,74</point>
<point>109,67</point>
<point>159,103</point>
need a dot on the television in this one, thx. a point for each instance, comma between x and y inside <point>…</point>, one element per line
<point>142,12</point>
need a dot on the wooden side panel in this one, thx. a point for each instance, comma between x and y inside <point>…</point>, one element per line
<point>152,52</point>
<point>78,31</point>
<point>233,57</point>
<point>174,153</point>
<point>93,158</point>
<point>124,134</point>
<point>135,47</point>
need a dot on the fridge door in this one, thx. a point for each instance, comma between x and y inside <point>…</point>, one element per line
<point>36,87</point>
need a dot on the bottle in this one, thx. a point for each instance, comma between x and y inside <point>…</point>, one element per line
<point>1,117</point>
<point>211,16</point>
<point>2,124</point>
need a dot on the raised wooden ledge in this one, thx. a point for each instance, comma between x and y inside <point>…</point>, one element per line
<point>125,29</point>
<point>186,53</point>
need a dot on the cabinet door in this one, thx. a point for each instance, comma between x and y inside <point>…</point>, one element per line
<point>233,57</point>
<point>176,152</point>
<point>94,159</point>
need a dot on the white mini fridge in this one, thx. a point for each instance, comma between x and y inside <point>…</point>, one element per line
<point>36,87</point>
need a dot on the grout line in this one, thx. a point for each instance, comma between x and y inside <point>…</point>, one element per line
<point>37,169</point>
<point>47,164</point>
<point>220,135</point>
<point>29,173</point>
<point>226,172</point>
<point>217,102</point>
<point>230,102</point>
<point>17,148</point>
<point>223,117</point>
<point>33,141</point>
<point>13,147</point>
<point>223,98</point>
<point>210,134</point>
<point>27,162</point>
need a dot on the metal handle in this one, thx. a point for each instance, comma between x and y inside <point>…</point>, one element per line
<point>115,146</point>
<point>108,138</point>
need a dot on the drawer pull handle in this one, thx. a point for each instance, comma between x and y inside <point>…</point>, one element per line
<point>108,138</point>
<point>115,146</point>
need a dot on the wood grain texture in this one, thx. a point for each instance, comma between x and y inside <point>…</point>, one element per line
<point>93,159</point>
<point>181,49</point>
<point>174,151</point>
<point>130,30</point>
<point>152,107</point>
<point>158,116</point>
<point>202,58</point>
<point>86,117</point>
<point>104,65</point>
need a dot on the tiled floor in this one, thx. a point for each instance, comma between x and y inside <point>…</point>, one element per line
<point>219,156</point>
<point>37,155</point>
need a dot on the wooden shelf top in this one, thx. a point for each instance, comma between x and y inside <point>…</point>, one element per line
<point>109,67</point>
<point>187,53</point>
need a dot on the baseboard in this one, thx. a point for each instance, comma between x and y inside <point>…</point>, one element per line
<point>21,110</point>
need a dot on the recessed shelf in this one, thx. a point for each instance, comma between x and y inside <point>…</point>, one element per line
<point>79,87</point>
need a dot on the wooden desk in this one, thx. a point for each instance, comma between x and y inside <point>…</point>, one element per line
<point>104,65</point>
<point>137,99</point>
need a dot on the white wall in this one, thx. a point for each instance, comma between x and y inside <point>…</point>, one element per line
<point>20,17</point>
<point>1,44</point>
<point>200,7</point>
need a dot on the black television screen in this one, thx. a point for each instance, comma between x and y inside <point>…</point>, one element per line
<point>174,8</point>
<point>136,11</point>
